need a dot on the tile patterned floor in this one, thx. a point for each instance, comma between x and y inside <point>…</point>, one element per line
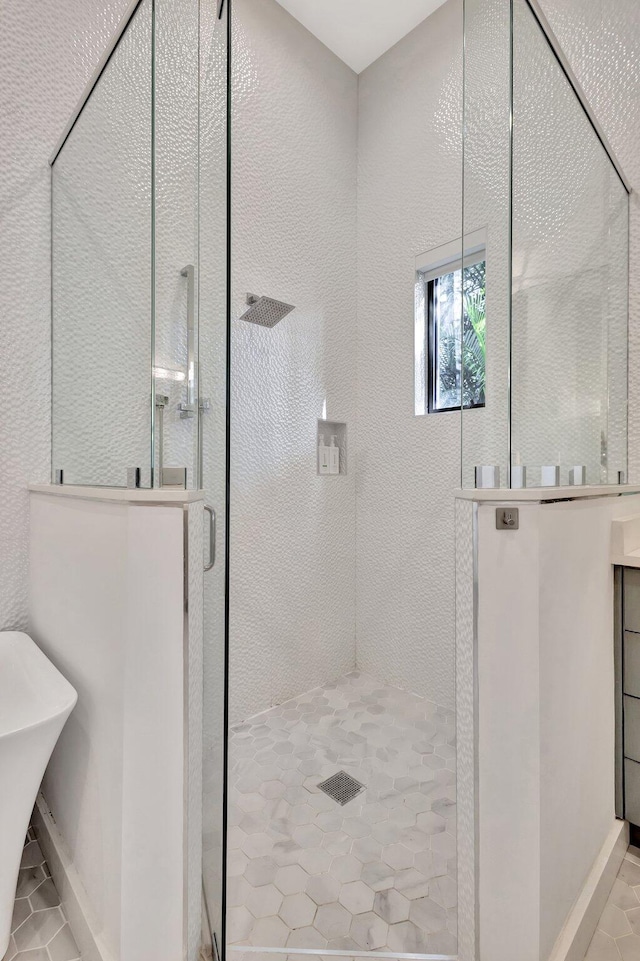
<point>618,934</point>
<point>39,929</point>
<point>376,874</point>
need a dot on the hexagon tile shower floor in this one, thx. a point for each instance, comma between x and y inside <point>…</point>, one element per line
<point>375,874</point>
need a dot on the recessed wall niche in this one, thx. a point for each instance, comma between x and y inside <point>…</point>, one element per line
<point>331,436</point>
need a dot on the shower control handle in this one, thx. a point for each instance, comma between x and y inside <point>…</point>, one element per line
<point>212,537</point>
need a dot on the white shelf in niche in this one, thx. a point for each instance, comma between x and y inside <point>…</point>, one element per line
<point>327,428</point>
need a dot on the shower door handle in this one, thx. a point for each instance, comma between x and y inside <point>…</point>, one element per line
<point>189,409</point>
<point>212,537</point>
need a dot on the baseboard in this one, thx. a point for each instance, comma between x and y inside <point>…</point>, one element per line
<point>69,886</point>
<point>580,926</point>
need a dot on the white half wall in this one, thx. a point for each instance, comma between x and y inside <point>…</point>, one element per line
<point>545,714</point>
<point>107,607</point>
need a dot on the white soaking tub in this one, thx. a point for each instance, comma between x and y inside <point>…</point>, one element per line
<point>35,702</point>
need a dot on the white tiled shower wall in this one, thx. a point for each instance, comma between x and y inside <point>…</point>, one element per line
<point>405,551</point>
<point>409,183</point>
<point>294,238</point>
<point>310,596</point>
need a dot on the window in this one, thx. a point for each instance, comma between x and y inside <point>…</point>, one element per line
<point>450,356</point>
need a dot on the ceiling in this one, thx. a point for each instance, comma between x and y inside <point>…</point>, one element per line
<point>360,31</point>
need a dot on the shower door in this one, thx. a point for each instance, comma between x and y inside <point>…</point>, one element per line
<point>213,419</point>
<point>139,352</point>
<point>190,243</point>
<point>190,61</point>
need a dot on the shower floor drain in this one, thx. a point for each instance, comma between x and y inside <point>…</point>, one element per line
<point>341,787</point>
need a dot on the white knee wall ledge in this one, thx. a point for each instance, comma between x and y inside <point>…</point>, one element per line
<point>539,642</point>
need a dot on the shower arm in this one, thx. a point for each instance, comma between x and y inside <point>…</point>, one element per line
<point>188,409</point>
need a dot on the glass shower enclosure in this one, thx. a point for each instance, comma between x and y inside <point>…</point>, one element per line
<point>142,297</point>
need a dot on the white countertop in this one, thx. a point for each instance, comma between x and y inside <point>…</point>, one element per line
<point>625,541</point>
<point>627,560</point>
<point>541,494</point>
<point>133,495</point>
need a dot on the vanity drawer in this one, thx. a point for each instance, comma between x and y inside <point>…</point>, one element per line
<point>632,727</point>
<point>632,791</point>
<point>632,599</point>
<point>632,663</point>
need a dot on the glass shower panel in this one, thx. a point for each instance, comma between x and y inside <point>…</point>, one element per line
<point>213,175</point>
<point>486,179</point>
<point>176,273</point>
<point>102,273</point>
<point>569,309</point>
<point>539,182</point>
<point>190,349</point>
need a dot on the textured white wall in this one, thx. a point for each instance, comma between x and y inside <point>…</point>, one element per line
<point>294,238</point>
<point>409,181</point>
<point>47,53</point>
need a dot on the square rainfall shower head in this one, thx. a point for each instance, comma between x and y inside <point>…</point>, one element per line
<point>265,311</point>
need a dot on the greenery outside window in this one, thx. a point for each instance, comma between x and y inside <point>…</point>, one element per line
<point>450,354</point>
<point>457,357</point>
